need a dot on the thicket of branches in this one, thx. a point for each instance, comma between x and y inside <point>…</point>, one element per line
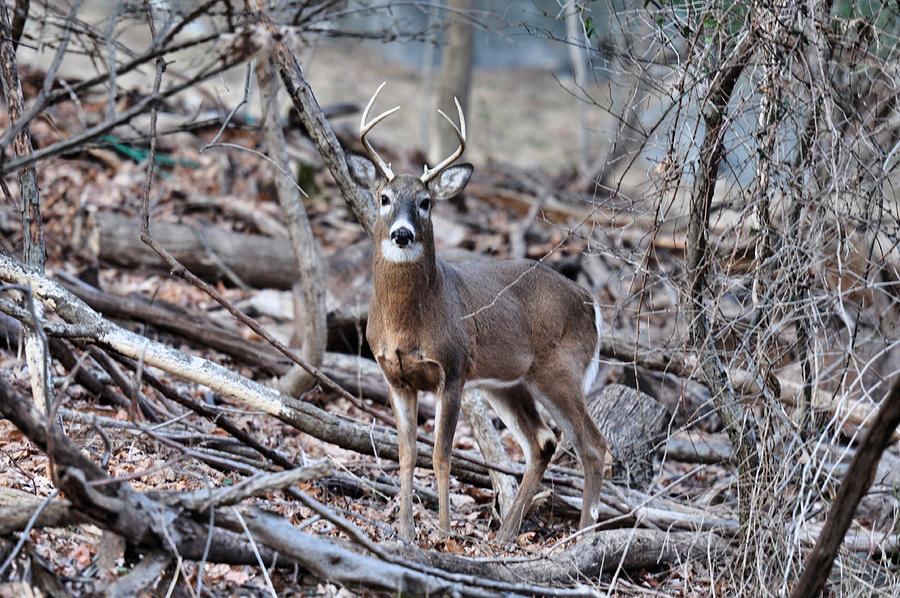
<point>773,134</point>
<point>740,227</point>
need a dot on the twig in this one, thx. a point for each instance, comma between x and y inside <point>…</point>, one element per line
<point>262,565</point>
<point>233,111</point>
<point>259,483</point>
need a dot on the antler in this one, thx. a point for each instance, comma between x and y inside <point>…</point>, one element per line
<point>365,128</point>
<point>460,131</point>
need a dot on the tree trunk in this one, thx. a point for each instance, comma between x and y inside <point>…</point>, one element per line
<point>34,254</point>
<point>453,79</point>
<point>740,428</point>
<point>310,329</point>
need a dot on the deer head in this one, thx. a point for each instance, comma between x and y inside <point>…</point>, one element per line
<point>403,231</point>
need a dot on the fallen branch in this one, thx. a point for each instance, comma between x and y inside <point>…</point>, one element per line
<point>593,555</point>
<point>259,261</point>
<point>201,500</point>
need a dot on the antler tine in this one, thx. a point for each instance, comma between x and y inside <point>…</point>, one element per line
<point>460,131</point>
<point>365,128</point>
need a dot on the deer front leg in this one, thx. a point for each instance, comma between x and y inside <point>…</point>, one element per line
<point>404,404</point>
<point>444,427</point>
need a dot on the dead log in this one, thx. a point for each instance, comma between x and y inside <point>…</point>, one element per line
<point>261,262</point>
<point>593,555</point>
<point>634,424</point>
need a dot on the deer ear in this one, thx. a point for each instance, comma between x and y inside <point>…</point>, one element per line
<point>450,181</point>
<point>363,171</point>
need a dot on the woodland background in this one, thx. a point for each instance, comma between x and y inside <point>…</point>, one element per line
<point>189,405</point>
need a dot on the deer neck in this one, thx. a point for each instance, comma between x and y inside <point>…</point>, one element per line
<point>404,291</point>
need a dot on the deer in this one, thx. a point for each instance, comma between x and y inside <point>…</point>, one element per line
<point>517,330</point>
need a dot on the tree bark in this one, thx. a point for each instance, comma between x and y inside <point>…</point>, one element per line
<point>33,252</point>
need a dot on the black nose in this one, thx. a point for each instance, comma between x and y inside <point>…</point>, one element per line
<point>402,237</point>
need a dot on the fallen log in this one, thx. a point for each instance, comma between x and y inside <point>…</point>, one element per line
<point>258,261</point>
<point>594,554</point>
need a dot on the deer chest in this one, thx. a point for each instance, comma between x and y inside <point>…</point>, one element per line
<point>410,370</point>
<point>413,352</point>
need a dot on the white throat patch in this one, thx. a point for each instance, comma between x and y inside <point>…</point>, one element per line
<point>411,253</point>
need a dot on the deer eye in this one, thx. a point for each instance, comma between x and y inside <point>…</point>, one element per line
<point>385,200</point>
<point>423,205</point>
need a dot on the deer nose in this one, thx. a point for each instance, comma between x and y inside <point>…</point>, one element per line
<point>402,237</point>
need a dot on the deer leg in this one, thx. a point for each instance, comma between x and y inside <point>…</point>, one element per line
<point>444,427</point>
<point>564,398</point>
<point>404,404</point>
<point>592,453</point>
<point>516,407</point>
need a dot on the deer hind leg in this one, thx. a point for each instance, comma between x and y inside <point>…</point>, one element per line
<point>404,404</point>
<point>516,407</point>
<point>564,398</point>
<point>444,427</point>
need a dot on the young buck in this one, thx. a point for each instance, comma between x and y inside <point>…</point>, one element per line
<point>517,330</point>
